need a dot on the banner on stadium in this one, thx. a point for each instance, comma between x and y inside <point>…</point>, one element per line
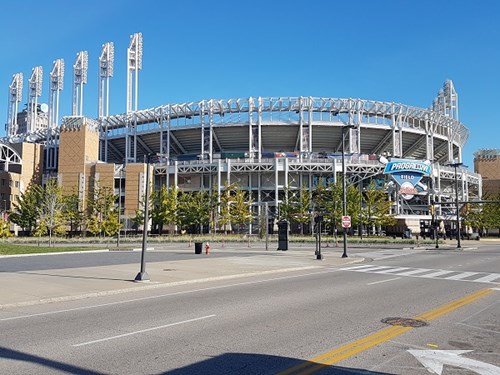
<point>407,174</point>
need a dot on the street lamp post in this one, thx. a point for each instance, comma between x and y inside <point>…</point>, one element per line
<point>143,275</point>
<point>457,207</point>
<point>344,196</point>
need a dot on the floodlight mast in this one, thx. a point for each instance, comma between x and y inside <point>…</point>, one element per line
<point>56,85</point>
<point>15,96</point>
<point>80,70</point>
<point>35,91</point>
<point>134,64</point>
<point>106,64</point>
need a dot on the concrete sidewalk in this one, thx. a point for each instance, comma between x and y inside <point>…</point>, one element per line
<point>36,287</point>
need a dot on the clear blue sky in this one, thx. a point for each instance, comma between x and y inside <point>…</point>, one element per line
<point>397,51</point>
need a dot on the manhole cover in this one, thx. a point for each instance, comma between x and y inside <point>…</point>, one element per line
<point>404,322</point>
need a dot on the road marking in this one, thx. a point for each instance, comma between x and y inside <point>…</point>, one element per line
<point>393,270</point>
<point>438,273</point>
<point>165,295</point>
<point>489,278</point>
<point>375,268</point>
<point>462,275</point>
<point>433,361</point>
<point>383,281</point>
<point>336,355</point>
<point>483,277</point>
<point>414,272</point>
<point>143,331</point>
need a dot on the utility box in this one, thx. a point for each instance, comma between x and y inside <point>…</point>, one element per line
<point>283,235</point>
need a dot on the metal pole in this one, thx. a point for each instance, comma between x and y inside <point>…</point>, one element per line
<point>267,225</point>
<point>318,255</point>
<point>361,209</point>
<point>143,275</point>
<point>344,198</point>
<point>434,223</point>
<point>457,206</point>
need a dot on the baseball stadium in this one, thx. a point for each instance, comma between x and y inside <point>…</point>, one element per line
<point>263,144</point>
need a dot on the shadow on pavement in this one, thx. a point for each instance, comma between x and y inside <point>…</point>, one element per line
<point>247,363</point>
<point>74,276</point>
<point>48,363</point>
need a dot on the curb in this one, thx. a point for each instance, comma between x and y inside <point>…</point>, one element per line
<point>147,286</point>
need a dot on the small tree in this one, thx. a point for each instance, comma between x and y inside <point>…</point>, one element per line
<point>102,212</point>
<point>164,204</point>
<point>73,215</point>
<point>194,210</point>
<point>226,199</point>
<point>50,210</point>
<point>24,212</point>
<point>377,207</point>
<point>241,208</point>
<point>4,228</point>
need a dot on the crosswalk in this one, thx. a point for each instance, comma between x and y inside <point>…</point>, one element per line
<point>473,277</point>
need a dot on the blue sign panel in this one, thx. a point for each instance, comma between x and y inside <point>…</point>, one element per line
<point>407,174</point>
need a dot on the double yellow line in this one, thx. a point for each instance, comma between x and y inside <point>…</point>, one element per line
<point>346,351</point>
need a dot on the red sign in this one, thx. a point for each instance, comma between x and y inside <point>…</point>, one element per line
<point>346,221</point>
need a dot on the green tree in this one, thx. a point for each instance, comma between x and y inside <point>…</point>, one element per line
<point>4,228</point>
<point>102,212</point>
<point>296,205</point>
<point>72,213</point>
<point>24,212</point>
<point>241,208</point>
<point>164,204</point>
<point>194,210</point>
<point>50,209</point>
<point>491,212</point>
<point>377,208</point>
<point>328,201</point>
<point>226,199</point>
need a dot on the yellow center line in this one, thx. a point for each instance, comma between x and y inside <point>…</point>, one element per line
<point>348,350</point>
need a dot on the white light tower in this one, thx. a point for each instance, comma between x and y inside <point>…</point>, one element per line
<point>15,96</point>
<point>106,63</point>
<point>79,79</point>
<point>35,91</point>
<point>134,64</point>
<point>56,85</point>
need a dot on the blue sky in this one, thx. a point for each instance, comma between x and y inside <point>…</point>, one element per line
<point>396,51</point>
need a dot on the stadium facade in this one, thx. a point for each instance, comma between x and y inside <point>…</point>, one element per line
<point>263,144</point>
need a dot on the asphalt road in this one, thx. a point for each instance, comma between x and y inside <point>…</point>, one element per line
<point>268,324</point>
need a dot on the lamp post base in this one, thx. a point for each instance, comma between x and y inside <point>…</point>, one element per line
<point>142,277</point>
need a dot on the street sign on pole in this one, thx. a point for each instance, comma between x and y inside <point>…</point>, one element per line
<point>346,221</point>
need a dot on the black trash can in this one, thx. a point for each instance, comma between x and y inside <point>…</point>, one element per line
<point>198,246</point>
<point>283,235</point>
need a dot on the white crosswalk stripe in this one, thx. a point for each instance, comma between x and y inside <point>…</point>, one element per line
<point>474,277</point>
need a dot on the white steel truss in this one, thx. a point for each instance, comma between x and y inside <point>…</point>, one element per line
<point>80,70</point>
<point>106,70</point>
<point>15,96</point>
<point>35,91</point>
<point>134,64</point>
